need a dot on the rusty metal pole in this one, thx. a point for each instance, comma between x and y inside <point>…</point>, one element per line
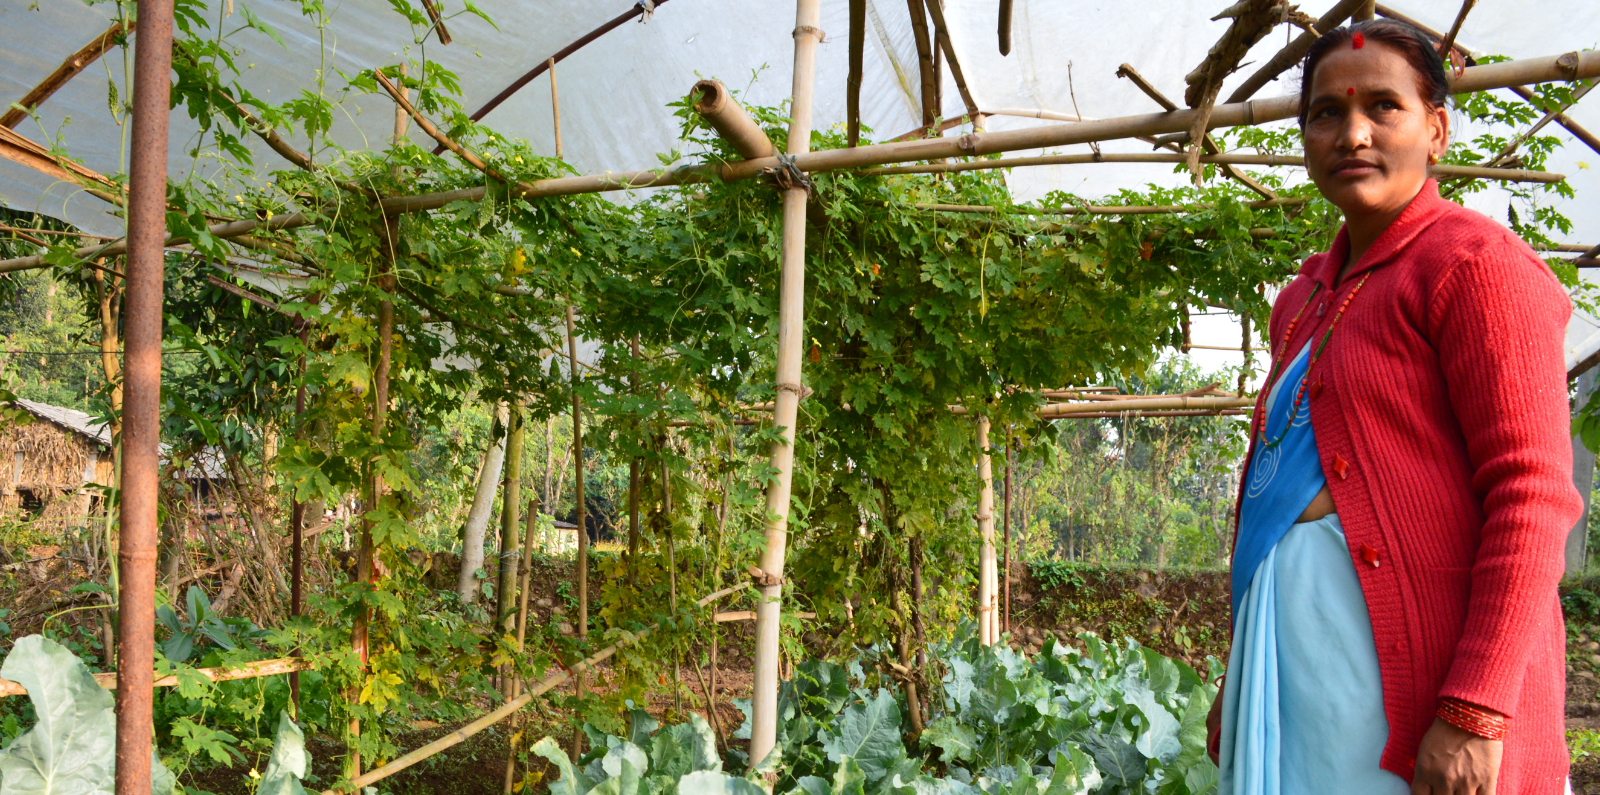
<point>297,519</point>
<point>141,408</point>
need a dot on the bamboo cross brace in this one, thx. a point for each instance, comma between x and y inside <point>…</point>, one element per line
<point>1181,402</point>
<point>1104,209</point>
<point>252,670</point>
<point>68,69</point>
<point>433,132</point>
<point>506,710</point>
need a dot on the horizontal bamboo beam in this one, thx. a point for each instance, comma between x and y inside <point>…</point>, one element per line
<point>1174,402</point>
<point>68,69</point>
<point>253,670</point>
<point>1116,415</point>
<point>1102,210</point>
<point>1288,161</point>
<point>507,709</point>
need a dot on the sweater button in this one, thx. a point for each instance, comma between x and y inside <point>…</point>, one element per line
<point>1316,388</point>
<point>1369,555</point>
<point>1341,467</point>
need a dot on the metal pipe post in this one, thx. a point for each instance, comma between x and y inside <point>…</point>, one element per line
<point>141,408</point>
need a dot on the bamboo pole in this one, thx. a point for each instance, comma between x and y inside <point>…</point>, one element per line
<point>1578,131</point>
<point>1570,66</point>
<point>729,119</point>
<point>987,634</point>
<point>510,523</point>
<point>522,630</point>
<point>791,336</point>
<point>141,427</point>
<point>555,106</point>
<point>1282,161</point>
<point>555,680</point>
<point>1103,209</point>
<point>252,670</point>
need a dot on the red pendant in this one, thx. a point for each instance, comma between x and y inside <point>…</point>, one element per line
<point>1369,555</point>
<point>1341,467</point>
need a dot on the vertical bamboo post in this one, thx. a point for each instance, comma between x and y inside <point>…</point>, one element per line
<point>510,523</point>
<point>633,472</point>
<point>555,106</point>
<point>579,511</point>
<point>987,633</point>
<point>1006,569</point>
<point>791,335</point>
<point>526,568</point>
<point>141,419</point>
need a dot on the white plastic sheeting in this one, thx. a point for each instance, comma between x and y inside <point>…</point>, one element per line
<point>614,91</point>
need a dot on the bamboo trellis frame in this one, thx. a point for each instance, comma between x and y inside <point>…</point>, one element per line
<point>252,670</point>
<point>1569,66</point>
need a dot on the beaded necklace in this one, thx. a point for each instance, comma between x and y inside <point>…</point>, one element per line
<point>1280,361</point>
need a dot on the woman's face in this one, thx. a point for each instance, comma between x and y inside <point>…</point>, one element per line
<point>1368,132</point>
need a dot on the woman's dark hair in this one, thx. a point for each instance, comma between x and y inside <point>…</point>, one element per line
<point>1412,44</point>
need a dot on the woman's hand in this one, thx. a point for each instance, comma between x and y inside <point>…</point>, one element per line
<point>1453,761</point>
<point>1214,726</point>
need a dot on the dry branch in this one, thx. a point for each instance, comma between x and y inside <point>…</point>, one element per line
<point>1449,41</point>
<point>1251,21</point>
<point>68,69</point>
<point>438,21</point>
<point>941,36</point>
<point>852,96</point>
<point>1287,57</point>
<point>1208,143</point>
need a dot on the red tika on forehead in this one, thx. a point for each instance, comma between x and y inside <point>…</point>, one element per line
<point>1357,41</point>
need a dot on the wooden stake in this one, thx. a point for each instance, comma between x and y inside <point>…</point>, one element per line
<point>1005,27</point>
<point>729,119</point>
<point>941,36</point>
<point>580,511</point>
<point>987,626</point>
<point>919,36</point>
<point>791,336</point>
<point>1455,29</point>
<point>522,630</point>
<point>852,95</point>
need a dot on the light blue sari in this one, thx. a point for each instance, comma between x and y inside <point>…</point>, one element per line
<point>1302,711</point>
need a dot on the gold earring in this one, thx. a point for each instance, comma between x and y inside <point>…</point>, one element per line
<point>1433,159</point>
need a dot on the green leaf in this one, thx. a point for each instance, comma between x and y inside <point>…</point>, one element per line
<point>72,748</point>
<point>868,733</point>
<point>571,782</point>
<point>706,782</point>
<point>849,779</point>
<point>1121,763</point>
<point>957,741</point>
<point>288,762</point>
<point>1074,774</point>
<point>624,771</point>
<point>1158,738</point>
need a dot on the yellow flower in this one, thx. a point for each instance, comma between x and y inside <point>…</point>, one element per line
<point>254,774</point>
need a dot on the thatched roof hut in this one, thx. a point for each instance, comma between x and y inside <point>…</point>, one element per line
<point>50,468</point>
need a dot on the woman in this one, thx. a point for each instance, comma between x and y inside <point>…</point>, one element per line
<point>1408,488</point>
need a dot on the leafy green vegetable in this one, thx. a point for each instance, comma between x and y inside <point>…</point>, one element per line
<point>288,762</point>
<point>72,749</point>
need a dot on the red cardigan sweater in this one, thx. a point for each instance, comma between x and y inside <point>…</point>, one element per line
<point>1440,409</point>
